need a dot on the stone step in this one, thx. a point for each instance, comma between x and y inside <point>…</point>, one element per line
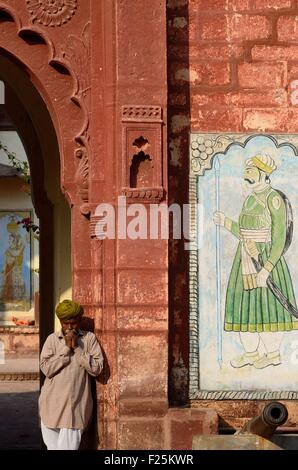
<point>18,376</point>
<point>19,369</point>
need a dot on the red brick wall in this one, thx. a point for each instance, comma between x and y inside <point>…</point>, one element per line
<point>232,66</point>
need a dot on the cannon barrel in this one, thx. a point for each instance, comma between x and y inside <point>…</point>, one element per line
<point>273,415</point>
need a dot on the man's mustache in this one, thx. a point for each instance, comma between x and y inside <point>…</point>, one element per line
<point>249,180</point>
<point>74,330</point>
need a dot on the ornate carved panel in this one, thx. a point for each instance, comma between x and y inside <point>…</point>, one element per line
<point>141,113</point>
<point>51,12</point>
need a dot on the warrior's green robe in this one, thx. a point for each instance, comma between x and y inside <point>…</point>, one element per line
<point>250,308</point>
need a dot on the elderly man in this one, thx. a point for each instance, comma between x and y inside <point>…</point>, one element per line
<point>251,308</point>
<point>68,359</point>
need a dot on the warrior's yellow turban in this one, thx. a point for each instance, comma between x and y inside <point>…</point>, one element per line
<point>263,162</point>
<point>68,309</point>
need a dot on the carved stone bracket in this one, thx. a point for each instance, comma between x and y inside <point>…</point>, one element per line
<point>94,220</point>
<point>142,153</point>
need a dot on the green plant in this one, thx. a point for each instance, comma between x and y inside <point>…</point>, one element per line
<point>19,165</point>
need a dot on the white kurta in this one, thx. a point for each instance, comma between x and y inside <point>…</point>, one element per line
<point>65,400</point>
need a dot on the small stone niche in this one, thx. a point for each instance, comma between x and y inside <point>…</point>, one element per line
<point>141,169</point>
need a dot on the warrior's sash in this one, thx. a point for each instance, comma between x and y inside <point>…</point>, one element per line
<point>249,238</point>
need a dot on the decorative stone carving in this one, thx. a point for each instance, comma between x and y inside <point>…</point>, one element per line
<point>51,12</point>
<point>146,194</point>
<point>94,220</point>
<point>82,179</point>
<point>141,113</point>
<point>76,53</point>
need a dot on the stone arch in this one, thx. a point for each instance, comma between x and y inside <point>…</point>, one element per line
<point>58,72</point>
<point>40,142</point>
<point>46,100</point>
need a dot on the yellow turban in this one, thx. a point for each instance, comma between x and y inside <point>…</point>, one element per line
<point>263,162</point>
<point>68,309</point>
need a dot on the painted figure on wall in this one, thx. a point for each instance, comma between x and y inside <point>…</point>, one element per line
<point>13,283</point>
<point>252,309</point>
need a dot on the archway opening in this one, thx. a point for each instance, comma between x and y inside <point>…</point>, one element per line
<point>30,119</point>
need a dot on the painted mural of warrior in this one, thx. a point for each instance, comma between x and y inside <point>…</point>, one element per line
<point>251,307</point>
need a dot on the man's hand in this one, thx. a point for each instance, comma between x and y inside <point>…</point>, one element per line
<point>68,340</point>
<point>71,339</point>
<point>74,342</point>
<point>262,277</point>
<point>219,218</point>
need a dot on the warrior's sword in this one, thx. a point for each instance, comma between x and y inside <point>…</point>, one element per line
<point>218,270</point>
<point>276,291</point>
